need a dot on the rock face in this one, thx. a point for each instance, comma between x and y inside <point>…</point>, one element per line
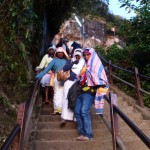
<point>110,40</point>
<point>93,34</point>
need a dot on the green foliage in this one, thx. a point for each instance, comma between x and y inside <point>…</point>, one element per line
<point>136,33</point>
<point>18,27</point>
<point>119,56</point>
<point>100,50</point>
<point>6,104</point>
<point>7,119</point>
<point>93,7</point>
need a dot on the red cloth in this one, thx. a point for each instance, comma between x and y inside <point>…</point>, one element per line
<point>83,80</point>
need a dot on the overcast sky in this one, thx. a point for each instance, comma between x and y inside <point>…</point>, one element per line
<point>114,8</point>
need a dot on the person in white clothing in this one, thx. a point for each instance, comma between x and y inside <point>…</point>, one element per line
<point>74,65</point>
<point>45,81</point>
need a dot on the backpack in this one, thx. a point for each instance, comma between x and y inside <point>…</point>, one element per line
<point>73,93</point>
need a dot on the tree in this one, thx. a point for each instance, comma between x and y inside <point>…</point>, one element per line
<point>136,32</point>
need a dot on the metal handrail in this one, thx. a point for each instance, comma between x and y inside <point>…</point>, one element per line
<point>137,86</point>
<point>124,81</point>
<point>143,76</point>
<point>134,128</point>
<point>148,93</point>
<point>120,68</point>
<point>103,58</point>
<point>15,131</point>
<point>21,129</point>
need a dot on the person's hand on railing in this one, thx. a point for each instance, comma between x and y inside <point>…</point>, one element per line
<point>38,76</point>
<point>38,70</point>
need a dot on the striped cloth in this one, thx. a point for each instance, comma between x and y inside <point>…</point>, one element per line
<point>96,76</point>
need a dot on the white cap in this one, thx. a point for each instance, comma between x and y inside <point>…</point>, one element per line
<point>59,49</point>
<point>78,53</point>
<point>78,50</point>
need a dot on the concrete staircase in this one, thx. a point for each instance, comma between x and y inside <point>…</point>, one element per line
<point>128,137</point>
<point>50,136</point>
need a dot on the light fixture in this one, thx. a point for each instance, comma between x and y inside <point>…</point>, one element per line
<point>76,18</point>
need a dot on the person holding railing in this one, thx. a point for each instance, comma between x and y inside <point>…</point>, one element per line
<point>94,85</point>
<point>45,81</point>
<point>55,65</point>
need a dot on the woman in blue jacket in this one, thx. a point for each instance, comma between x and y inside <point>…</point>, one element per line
<point>55,65</point>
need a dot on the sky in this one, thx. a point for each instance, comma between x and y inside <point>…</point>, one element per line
<point>116,10</point>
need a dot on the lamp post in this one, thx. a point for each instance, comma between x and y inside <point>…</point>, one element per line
<point>83,30</point>
<point>76,18</point>
<point>81,27</point>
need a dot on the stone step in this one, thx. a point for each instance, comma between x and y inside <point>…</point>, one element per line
<point>128,135</point>
<point>122,101</point>
<point>135,145</point>
<point>127,109</point>
<point>50,135</point>
<point>69,125</point>
<point>72,145</point>
<point>56,125</point>
<point>47,106</point>
<point>47,118</point>
<point>144,124</point>
<point>134,117</point>
<point>46,111</point>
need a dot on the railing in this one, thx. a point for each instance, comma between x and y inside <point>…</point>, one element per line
<point>11,137</point>
<point>16,139</point>
<point>114,128</point>
<point>19,133</point>
<point>135,74</point>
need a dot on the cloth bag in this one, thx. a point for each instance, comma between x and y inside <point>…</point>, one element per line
<point>73,93</point>
<point>63,75</point>
<point>52,76</point>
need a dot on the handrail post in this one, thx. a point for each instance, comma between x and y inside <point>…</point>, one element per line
<point>116,119</point>
<point>112,123</point>
<point>138,86</point>
<point>21,121</point>
<point>110,71</point>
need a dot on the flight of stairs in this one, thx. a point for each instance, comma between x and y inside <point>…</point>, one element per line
<point>51,136</point>
<point>128,137</point>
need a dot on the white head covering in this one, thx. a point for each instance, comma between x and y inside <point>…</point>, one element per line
<point>79,52</point>
<point>59,50</point>
<point>76,68</point>
<point>52,47</point>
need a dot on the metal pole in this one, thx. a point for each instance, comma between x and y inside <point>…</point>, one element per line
<point>138,86</point>
<point>110,72</point>
<point>112,123</point>
<point>83,30</point>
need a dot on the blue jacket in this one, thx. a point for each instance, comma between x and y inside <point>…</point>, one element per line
<point>55,65</point>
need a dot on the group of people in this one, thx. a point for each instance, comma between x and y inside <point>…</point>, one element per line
<point>85,67</point>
